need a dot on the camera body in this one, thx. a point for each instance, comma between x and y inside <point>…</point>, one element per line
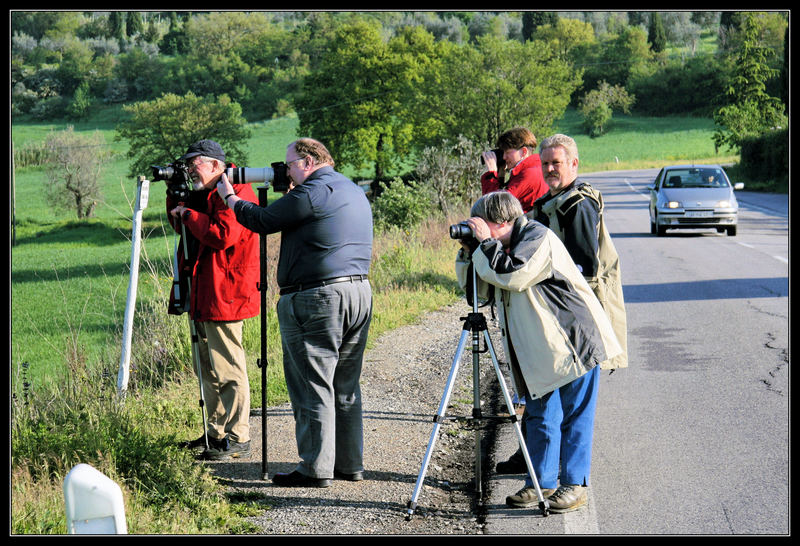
<point>463,232</point>
<point>276,175</point>
<point>500,161</point>
<point>176,176</point>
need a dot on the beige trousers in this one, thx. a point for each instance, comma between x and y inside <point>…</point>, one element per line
<point>226,388</point>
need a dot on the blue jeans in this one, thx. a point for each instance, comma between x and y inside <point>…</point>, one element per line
<point>324,333</point>
<point>560,427</point>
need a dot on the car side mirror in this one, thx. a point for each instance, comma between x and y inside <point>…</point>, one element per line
<point>738,186</point>
<point>651,187</point>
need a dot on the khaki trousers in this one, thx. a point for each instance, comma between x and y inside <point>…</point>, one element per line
<point>226,387</point>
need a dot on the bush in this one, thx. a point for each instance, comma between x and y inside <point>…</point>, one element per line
<point>400,204</point>
<point>766,158</point>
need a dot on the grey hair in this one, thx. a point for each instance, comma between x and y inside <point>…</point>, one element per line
<point>568,143</point>
<point>497,207</point>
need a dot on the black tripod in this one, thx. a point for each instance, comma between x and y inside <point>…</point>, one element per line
<point>475,323</point>
<point>192,328</point>
<point>262,362</point>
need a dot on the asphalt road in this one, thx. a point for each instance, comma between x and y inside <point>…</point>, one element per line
<point>692,438</point>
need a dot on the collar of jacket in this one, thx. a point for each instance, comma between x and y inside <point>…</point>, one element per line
<point>531,161</point>
<point>516,229</point>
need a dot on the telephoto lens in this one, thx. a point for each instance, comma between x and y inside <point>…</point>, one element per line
<point>460,231</point>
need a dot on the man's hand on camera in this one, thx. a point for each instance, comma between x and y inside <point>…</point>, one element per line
<point>480,229</point>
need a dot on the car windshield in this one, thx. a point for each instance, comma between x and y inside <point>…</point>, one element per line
<point>695,177</point>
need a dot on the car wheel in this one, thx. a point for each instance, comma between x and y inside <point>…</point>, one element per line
<point>652,227</point>
<point>731,231</point>
<point>658,230</point>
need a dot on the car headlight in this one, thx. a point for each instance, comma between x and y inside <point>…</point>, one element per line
<point>673,204</point>
<point>724,204</point>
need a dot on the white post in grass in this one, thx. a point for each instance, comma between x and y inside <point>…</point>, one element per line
<point>142,194</point>
<point>93,503</point>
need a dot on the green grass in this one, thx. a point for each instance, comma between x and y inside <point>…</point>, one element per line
<point>636,142</point>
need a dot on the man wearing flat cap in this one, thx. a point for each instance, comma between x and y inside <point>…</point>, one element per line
<point>224,270</point>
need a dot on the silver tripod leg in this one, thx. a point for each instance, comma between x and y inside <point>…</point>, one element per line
<point>437,419</point>
<point>543,504</point>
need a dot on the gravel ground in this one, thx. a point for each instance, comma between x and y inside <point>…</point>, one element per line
<point>403,383</point>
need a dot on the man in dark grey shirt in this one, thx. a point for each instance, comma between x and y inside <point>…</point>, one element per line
<point>324,310</point>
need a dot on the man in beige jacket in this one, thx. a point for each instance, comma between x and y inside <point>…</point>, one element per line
<point>555,335</point>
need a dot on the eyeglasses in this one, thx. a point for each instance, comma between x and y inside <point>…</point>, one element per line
<point>293,160</point>
<point>195,164</point>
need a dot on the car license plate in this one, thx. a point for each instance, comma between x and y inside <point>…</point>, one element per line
<point>699,213</point>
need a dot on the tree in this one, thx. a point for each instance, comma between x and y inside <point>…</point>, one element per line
<point>751,111</point>
<point>357,100</point>
<point>450,172</point>
<point>483,90</point>
<point>75,163</point>
<point>116,22</point>
<point>566,36</point>
<point>81,102</point>
<point>656,36</point>
<point>598,104</point>
<point>134,24</point>
<point>160,130</point>
<point>532,20</point>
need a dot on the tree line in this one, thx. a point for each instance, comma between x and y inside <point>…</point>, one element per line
<point>377,86</point>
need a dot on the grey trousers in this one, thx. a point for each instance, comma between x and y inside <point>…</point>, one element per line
<point>324,333</point>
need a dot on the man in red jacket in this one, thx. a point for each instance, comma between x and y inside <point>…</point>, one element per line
<point>224,270</point>
<point>525,181</point>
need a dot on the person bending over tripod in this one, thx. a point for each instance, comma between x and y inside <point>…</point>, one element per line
<point>324,310</point>
<point>555,335</point>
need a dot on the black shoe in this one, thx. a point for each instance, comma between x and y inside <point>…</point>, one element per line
<point>195,445</point>
<point>199,446</point>
<point>513,465</point>
<point>354,477</point>
<point>227,449</point>
<point>296,479</point>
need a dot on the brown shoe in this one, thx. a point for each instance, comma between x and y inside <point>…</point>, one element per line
<point>568,498</point>
<point>526,497</point>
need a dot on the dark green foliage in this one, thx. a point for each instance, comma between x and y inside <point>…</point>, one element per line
<point>692,87</point>
<point>655,34</point>
<point>766,157</point>
<point>403,205</point>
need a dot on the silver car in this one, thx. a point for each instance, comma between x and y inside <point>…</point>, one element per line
<point>691,197</point>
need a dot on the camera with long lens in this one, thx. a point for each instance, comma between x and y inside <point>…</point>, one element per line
<point>176,176</point>
<point>463,232</point>
<point>277,175</point>
<point>500,161</point>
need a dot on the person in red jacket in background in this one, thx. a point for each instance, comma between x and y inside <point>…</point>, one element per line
<point>223,267</point>
<point>525,181</point>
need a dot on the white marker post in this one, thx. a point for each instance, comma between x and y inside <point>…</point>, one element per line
<point>94,503</point>
<point>142,194</point>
